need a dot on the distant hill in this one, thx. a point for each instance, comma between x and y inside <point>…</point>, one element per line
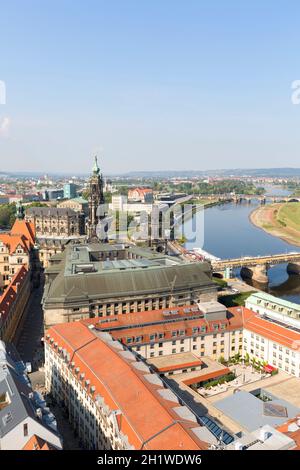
<point>254,172</point>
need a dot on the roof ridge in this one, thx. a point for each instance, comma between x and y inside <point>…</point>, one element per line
<point>150,388</point>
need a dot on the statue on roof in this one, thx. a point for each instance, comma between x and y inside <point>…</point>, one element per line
<point>20,213</point>
<point>96,169</point>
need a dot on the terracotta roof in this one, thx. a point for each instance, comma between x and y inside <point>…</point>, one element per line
<point>141,190</point>
<point>211,375</point>
<point>144,317</point>
<point>10,294</point>
<point>143,324</point>
<point>21,227</point>
<point>149,421</point>
<point>173,362</point>
<point>294,434</point>
<point>37,443</point>
<point>22,234</point>
<point>279,334</point>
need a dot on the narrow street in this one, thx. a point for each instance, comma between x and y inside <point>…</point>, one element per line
<point>30,330</point>
<point>31,350</point>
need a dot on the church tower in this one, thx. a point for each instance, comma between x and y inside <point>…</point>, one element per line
<point>96,201</point>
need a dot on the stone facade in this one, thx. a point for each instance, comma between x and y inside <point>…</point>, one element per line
<point>96,202</point>
<point>102,280</point>
<point>55,222</point>
<point>77,204</point>
<point>13,303</point>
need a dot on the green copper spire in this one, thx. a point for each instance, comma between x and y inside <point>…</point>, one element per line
<point>96,169</point>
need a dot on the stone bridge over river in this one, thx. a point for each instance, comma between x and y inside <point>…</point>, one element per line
<point>256,267</point>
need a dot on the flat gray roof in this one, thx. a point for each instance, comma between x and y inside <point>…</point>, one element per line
<point>250,411</point>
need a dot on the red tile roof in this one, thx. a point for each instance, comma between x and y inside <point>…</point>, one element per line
<point>183,365</point>
<point>211,375</point>
<point>295,435</point>
<point>10,294</point>
<point>37,443</point>
<point>279,334</point>
<point>155,322</point>
<point>21,227</point>
<point>146,418</point>
<point>22,234</point>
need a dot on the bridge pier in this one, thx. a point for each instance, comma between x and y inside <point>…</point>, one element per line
<point>293,268</point>
<point>258,273</point>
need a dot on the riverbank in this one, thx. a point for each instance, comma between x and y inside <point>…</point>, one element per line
<point>281,220</point>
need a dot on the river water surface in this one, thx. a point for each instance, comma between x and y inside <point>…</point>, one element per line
<point>228,233</point>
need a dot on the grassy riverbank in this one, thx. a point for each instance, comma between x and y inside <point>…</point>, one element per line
<point>206,202</point>
<point>280,220</point>
<point>235,300</point>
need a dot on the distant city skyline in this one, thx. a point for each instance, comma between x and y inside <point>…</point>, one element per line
<point>154,85</point>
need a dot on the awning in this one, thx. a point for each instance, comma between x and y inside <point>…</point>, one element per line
<point>268,368</point>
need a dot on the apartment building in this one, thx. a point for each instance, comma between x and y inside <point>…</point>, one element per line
<point>13,303</point>
<point>114,401</point>
<point>77,204</point>
<point>270,341</point>
<point>205,329</point>
<point>55,222</point>
<point>275,308</point>
<point>25,420</point>
<point>16,249</point>
<point>144,195</point>
<point>101,280</point>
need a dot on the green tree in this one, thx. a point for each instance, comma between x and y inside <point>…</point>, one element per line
<point>36,204</point>
<point>222,360</point>
<point>7,215</point>
<point>253,362</point>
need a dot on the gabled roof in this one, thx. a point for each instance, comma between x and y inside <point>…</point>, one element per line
<point>292,429</point>
<point>21,227</point>
<point>22,234</point>
<point>147,419</point>
<point>37,443</point>
<point>20,402</point>
<point>279,334</point>
<point>262,296</point>
<point>10,294</point>
<point>141,190</point>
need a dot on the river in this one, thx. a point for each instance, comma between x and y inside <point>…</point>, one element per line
<point>228,233</point>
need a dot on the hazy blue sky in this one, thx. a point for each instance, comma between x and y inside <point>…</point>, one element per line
<point>149,84</point>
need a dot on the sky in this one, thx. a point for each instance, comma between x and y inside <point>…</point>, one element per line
<point>148,85</point>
